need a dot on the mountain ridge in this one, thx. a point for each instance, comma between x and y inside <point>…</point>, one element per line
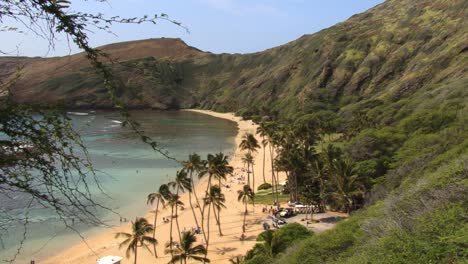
<point>356,57</point>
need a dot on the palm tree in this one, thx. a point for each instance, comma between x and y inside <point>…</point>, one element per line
<point>222,167</point>
<point>245,195</point>
<point>250,163</point>
<point>161,196</point>
<point>182,183</point>
<point>271,129</point>
<point>272,244</point>
<point>185,250</point>
<point>261,130</point>
<point>216,199</point>
<point>248,159</point>
<point>209,169</point>
<point>137,238</point>
<point>264,144</point>
<point>223,170</point>
<point>217,166</point>
<point>347,184</point>
<point>319,171</point>
<point>193,164</point>
<point>173,201</point>
<point>249,143</point>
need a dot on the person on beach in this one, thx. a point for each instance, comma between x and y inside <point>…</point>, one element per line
<point>242,238</point>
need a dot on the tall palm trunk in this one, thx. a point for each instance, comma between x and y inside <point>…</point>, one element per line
<point>219,184</point>
<point>154,225</point>
<point>136,251</point>
<point>273,177</point>
<point>208,186</point>
<point>253,186</point>
<point>218,220</point>
<point>248,173</point>
<point>200,208</point>
<point>264,152</point>
<point>291,188</point>
<point>190,199</point>
<point>203,210</point>
<point>296,188</point>
<point>177,215</point>
<point>208,230</point>
<point>245,215</point>
<point>170,231</point>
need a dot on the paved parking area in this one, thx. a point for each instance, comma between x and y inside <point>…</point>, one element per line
<point>322,221</point>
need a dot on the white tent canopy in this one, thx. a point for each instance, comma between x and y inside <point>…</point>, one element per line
<point>109,260</point>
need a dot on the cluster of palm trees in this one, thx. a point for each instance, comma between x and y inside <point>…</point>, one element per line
<point>314,177</point>
<point>216,169</point>
<point>180,253</point>
<point>247,195</point>
<point>325,178</point>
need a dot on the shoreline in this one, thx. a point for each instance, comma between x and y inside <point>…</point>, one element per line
<point>221,248</point>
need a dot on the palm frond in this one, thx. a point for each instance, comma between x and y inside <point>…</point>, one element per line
<point>200,259</point>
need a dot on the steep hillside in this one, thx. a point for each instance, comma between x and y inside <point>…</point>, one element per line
<point>386,53</point>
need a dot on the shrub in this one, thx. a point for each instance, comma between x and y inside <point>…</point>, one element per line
<point>274,242</point>
<point>326,246</point>
<point>292,233</point>
<point>264,186</point>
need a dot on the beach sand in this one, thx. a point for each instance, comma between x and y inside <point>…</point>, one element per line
<point>221,248</point>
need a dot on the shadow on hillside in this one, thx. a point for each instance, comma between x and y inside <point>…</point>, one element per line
<point>331,219</point>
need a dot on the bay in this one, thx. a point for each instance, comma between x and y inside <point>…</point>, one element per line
<point>126,168</point>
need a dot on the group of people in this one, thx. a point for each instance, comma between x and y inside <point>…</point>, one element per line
<point>272,211</point>
<point>239,178</point>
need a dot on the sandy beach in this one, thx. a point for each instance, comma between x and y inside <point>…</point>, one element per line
<point>221,248</point>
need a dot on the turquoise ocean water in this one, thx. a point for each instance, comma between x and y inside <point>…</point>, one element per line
<point>127,169</point>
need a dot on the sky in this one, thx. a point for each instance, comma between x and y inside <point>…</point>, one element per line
<point>219,26</point>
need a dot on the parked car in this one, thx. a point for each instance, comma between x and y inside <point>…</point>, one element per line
<point>286,212</point>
